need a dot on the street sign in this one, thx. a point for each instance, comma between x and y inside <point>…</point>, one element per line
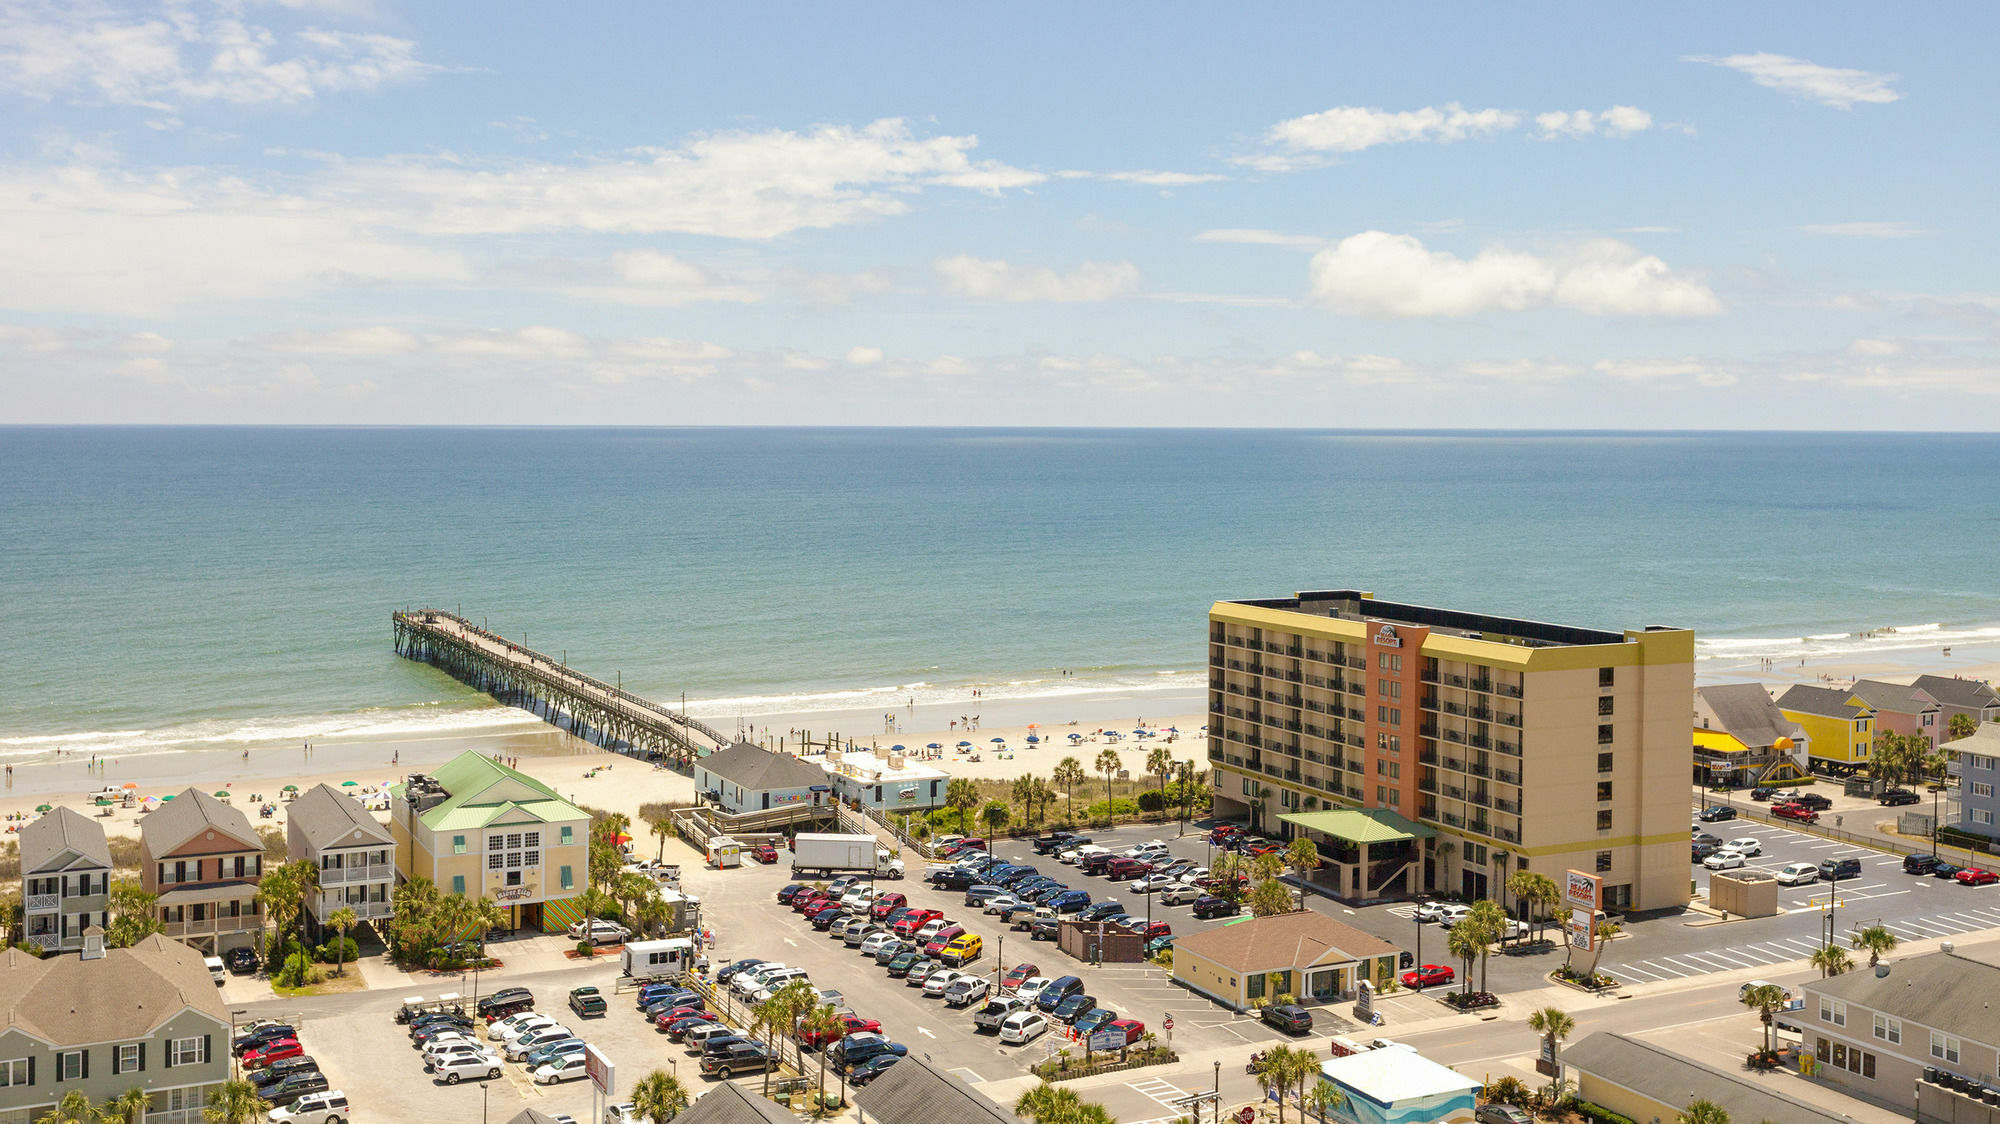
<point>1107,1039</point>
<point>603,1075</point>
<point>1168,1022</point>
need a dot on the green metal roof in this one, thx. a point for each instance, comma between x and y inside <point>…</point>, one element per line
<point>1360,825</point>
<point>470,779</point>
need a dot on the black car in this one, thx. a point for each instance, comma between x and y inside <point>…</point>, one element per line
<point>1717,812</point>
<point>1945,870</point>
<point>739,966</point>
<point>952,879</point>
<point>1703,850</point>
<point>1833,870</point>
<point>241,961</point>
<point>1068,1010</point>
<point>1211,906</point>
<point>1053,842</point>
<point>789,891</point>
<point>424,1032</point>
<point>293,1087</point>
<point>855,1050</point>
<point>282,1068</point>
<point>1288,1017</point>
<point>1896,797</point>
<point>1761,795</point>
<point>1101,910</point>
<point>1919,863</point>
<point>872,1068</point>
<point>1813,800</point>
<point>506,997</point>
<point>1702,837</point>
<point>1095,863</point>
<point>257,1039</point>
<point>825,917</point>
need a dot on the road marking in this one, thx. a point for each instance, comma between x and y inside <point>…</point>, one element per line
<point>925,1031</point>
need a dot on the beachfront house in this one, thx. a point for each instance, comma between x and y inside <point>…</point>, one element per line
<point>1839,726</point>
<point>1307,955</point>
<point>747,778</point>
<point>1976,764</point>
<point>885,780</point>
<point>1899,709</point>
<point>1741,738</point>
<point>203,861</point>
<point>478,828</point>
<point>104,1021</point>
<point>65,879</point>
<point>1876,1034</point>
<point>355,854</point>
<point>1970,697</point>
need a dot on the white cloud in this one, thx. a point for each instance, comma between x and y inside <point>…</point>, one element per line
<point>1824,84</point>
<point>1890,229</point>
<point>990,279</point>
<point>1618,121</point>
<point>1351,128</point>
<point>860,356</point>
<point>1146,178</point>
<point>1379,274</point>
<point>1254,237</point>
<point>1874,348</point>
<point>172,56</point>
<point>836,288</point>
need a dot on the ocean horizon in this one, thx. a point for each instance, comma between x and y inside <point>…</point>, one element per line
<point>175,588</point>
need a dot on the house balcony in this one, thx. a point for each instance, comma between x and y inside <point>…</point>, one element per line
<point>47,942</point>
<point>42,903</point>
<point>363,910</point>
<point>215,926</point>
<point>341,876</point>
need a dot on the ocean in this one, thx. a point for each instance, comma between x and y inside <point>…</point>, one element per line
<point>175,588</point>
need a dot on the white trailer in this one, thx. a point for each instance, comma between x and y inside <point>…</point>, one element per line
<point>844,854</point>
<point>662,959</point>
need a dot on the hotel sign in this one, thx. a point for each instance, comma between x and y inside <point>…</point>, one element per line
<point>1580,893</point>
<point>1386,637</point>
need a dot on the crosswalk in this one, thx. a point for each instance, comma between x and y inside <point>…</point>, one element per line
<point>1730,958</point>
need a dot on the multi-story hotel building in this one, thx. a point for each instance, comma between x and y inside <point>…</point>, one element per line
<point>1428,750</point>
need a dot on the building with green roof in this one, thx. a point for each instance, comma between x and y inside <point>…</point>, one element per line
<point>478,828</point>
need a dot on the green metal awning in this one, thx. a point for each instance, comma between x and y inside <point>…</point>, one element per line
<point>1360,825</point>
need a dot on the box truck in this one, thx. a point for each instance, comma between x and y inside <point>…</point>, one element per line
<point>844,854</point>
<point>654,960</point>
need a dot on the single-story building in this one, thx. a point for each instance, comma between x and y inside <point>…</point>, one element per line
<point>916,1091</point>
<point>749,778</point>
<point>885,780</point>
<point>1397,1085</point>
<point>1365,854</point>
<point>1307,955</point>
<point>729,1103</point>
<point>1652,1084</point>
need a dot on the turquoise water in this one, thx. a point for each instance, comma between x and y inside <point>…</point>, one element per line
<point>166,588</point>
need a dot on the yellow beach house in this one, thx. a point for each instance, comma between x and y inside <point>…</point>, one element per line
<point>476,827</point>
<point>1839,725</point>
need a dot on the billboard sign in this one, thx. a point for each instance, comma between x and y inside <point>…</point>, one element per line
<point>599,1069</point>
<point>1580,890</point>
<point>1107,1039</point>
<point>1581,930</point>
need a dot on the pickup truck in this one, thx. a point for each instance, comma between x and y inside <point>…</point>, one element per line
<point>996,1011</point>
<point>586,1002</point>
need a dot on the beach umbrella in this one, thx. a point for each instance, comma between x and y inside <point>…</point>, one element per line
<point>168,796</point>
<point>289,788</point>
<point>223,795</point>
<point>895,749</point>
<point>934,745</point>
<point>1034,738</point>
<point>1173,729</point>
<point>963,745</point>
<point>131,784</point>
<point>42,807</point>
<point>620,839</point>
<point>997,741</point>
<point>103,802</point>
<point>348,784</point>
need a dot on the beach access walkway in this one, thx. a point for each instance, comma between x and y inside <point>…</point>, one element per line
<point>606,714</point>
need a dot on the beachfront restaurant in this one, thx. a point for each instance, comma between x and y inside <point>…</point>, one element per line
<point>885,780</point>
<point>1397,1085</point>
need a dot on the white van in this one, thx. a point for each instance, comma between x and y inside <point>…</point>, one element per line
<point>216,971</point>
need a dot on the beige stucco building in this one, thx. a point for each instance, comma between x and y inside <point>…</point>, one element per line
<point>1476,745</point>
<point>478,828</point>
<point>1306,955</point>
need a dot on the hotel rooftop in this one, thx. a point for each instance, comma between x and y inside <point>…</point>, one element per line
<point>1355,605</point>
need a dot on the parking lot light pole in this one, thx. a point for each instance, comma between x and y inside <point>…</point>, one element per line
<point>1937,796</point>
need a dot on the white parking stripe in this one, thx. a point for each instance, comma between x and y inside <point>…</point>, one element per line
<point>1656,966</point>
<point>1730,955</point>
<point>1634,970</point>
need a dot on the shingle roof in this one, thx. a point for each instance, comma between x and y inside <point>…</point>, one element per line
<point>1744,711</point>
<point>756,769</point>
<point>915,1091</point>
<point>469,781</point>
<point>1945,990</point>
<point>61,831</point>
<point>727,1103</point>
<point>176,821</point>
<point>1818,700</point>
<point>1653,1071</point>
<point>1281,940</point>
<point>531,1116</point>
<point>1966,694</point>
<point>1984,739</point>
<point>127,993</point>
<point>1893,697</point>
<point>326,816</point>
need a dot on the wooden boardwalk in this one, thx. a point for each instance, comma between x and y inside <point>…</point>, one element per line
<point>528,679</point>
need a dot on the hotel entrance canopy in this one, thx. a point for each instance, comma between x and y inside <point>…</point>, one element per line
<point>1360,825</point>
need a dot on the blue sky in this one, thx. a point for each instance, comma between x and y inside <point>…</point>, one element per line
<point>366,211</point>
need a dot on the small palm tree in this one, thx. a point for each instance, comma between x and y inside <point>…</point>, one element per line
<point>1048,1104</point>
<point>73,1108</point>
<point>1831,960</point>
<point>663,826</point>
<point>995,816</point>
<point>235,1102</point>
<point>342,920</point>
<point>1069,773</point>
<point>1302,855</point>
<point>1491,922</point>
<point>1324,1097</point>
<point>1274,1075</point>
<point>1702,1111</point>
<point>128,1107</point>
<point>1107,763</point>
<point>1606,930</point>
<point>1466,942</point>
<point>1160,763</point>
<point>1554,1024</point>
<point>1877,940</point>
<point>963,795</point>
<point>824,1025</point>
<point>1766,1000</point>
<point>659,1096</point>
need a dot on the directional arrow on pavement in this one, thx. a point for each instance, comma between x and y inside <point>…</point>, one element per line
<point>925,1031</point>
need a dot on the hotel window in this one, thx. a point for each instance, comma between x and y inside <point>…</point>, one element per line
<point>1381,794</point>
<point>568,882</point>
<point>1982,788</point>
<point>72,1065</point>
<point>1888,1029</point>
<point>458,844</point>
<point>187,1051</point>
<point>458,884</point>
<point>496,842</point>
<point>13,1072</point>
<point>1604,819</point>
<point>531,839</point>
<point>1835,1011</point>
<point>1604,704</point>
<point>1604,790</point>
<point>531,858</point>
<point>1603,862</point>
<point>1395,798</point>
<point>1475,854</point>
<point>1943,1047</point>
<point>495,861</point>
<point>1606,676</point>
<point>1604,734</point>
<point>126,1059</point>
<point>568,836</point>
<point>1603,762</point>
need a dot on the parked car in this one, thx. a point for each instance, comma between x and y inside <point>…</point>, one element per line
<point>1797,874</point>
<point>241,961</point>
<point>937,981</point>
<point>995,1012</point>
<point>269,1032</point>
<point>1288,1017</point>
<point>567,1068</point>
<point>791,890</point>
<point>922,972</point>
<point>1813,800</point>
<point>1091,1021</point>
<point>1057,990</point>
<point>1946,870</point>
<point>891,949</point>
<point>855,1049</point>
<point>1746,846</point>
<point>1919,863</point>
<point>279,1070</point>
<point>961,949</point>
<point>1896,797</point>
<point>1428,975</point>
<point>543,1055</point>
<point>294,1087</point>
<point>850,1024</point>
<point>325,1107</point>
<point>1702,850</point>
<point>586,1002</point>
<point>764,853</point>
<point>1066,1012</point>
<point>1723,860</point>
<point>1704,838</point>
<point>737,1057</point>
<point>1023,1027</point>
<point>872,1068</point>
<point>1833,870</point>
<point>482,1065</point>
<point>1017,975</point>
<point>282,1048</point>
<point>1030,989</point>
<point>1797,812</point>
<point>904,963</point>
<point>1045,929</point>
<point>1716,813</point>
<point>1500,1114</point>
<point>1976,877</point>
<point>599,931</point>
<point>1212,906</point>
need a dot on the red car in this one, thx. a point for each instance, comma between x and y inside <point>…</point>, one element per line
<point>1261,847</point>
<point>886,905</point>
<point>1133,1029</point>
<point>765,853</point>
<point>665,1019</point>
<point>852,1024</point>
<point>916,919</point>
<point>1976,877</point>
<point>1795,812</point>
<point>1157,929</point>
<point>806,903</point>
<point>1020,975</point>
<point>273,1051</point>
<point>1223,833</point>
<point>1428,975</point>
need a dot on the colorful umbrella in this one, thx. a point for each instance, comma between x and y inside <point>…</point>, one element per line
<point>289,788</point>
<point>620,839</point>
<point>42,808</point>
<point>131,784</point>
<point>349,784</point>
<point>168,796</point>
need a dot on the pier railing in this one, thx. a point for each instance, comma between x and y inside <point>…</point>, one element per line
<point>527,678</point>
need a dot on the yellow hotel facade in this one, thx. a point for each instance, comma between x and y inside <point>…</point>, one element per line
<point>1434,751</point>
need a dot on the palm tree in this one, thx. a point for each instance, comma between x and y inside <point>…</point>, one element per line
<point>1024,795</point>
<point>994,816</point>
<point>1274,1075</point>
<point>73,1108</point>
<point>342,920</point>
<point>1766,1000</point>
<point>1107,763</point>
<point>659,1096</point>
<point>1270,898</point>
<point>662,826</point>
<point>1491,922</point>
<point>1831,960</point>
<point>1702,1111</point>
<point>128,1107</point>
<point>1042,794</point>
<point>1325,1097</point>
<point>1606,929</point>
<point>1069,773</point>
<point>1048,1104</point>
<point>825,1025</point>
<point>488,915</point>
<point>1878,940</point>
<point>963,795</point>
<point>1184,777</point>
<point>1302,855</point>
<point>1537,890</point>
<point>1160,763</point>
<point>1553,1024</point>
<point>786,1007</point>
<point>134,914</point>
<point>1303,1066</point>
<point>1465,942</point>
<point>235,1102</point>
<point>1960,726</point>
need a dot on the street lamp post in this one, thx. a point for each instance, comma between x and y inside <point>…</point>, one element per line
<point>1937,818</point>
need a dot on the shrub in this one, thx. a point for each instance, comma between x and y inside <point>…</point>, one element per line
<point>1151,801</point>
<point>347,952</point>
<point>585,948</point>
<point>1598,1114</point>
<point>1508,1090</point>
<point>1122,806</point>
<point>298,970</point>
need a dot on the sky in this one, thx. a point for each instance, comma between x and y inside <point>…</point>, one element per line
<point>1708,216</point>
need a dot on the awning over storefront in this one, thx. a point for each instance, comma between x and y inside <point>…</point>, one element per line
<point>1360,825</point>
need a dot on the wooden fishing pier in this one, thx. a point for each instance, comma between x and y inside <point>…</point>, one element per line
<point>523,677</point>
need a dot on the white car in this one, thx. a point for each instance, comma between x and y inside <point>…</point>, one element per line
<point>1745,846</point>
<point>526,1026</point>
<point>1031,987</point>
<point>873,943</point>
<point>1723,860</point>
<point>1153,882</point>
<point>329,1107</point>
<point>1449,915</point>
<point>481,1066</point>
<point>562,1069</point>
<point>1797,874</point>
<point>858,900</point>
<point>500,1027</point>
<point>936,982</point>
<point>627,1113</point>
<point>1023,1027</point>
<point>1190,877</point>
<point>1430,911</point>
<point>967,990</point>
<point>931,929</point>
<point>528,1043</point>
<point>1000,903</point>
<point>435,1052</point>
<point>750,981</point>
<point>598,931</point>
<point>1075,856</point>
